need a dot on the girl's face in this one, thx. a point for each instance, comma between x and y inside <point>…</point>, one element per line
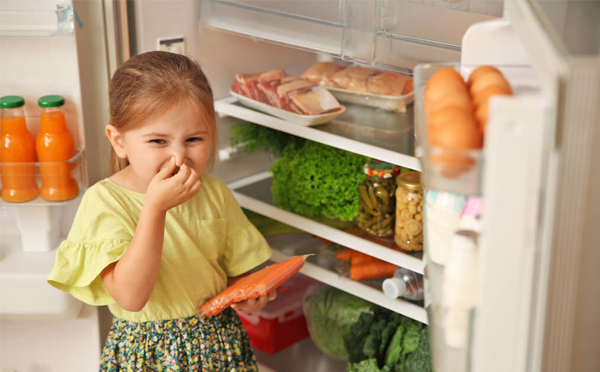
<point>180,133</point>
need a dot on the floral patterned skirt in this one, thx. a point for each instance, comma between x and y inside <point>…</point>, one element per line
<point>196,343</point>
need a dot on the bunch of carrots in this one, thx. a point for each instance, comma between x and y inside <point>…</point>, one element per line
<point>363,266</point>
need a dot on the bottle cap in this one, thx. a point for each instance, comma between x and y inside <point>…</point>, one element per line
<point>381,169</point>
<point>51,101</point>
<point>393,287</point>
<point>11,102</point>
<point>410,180</point>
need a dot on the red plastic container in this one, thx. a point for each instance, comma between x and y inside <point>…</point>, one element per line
<point>281,323</point>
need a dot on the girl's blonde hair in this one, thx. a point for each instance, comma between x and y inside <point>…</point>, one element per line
<point>148,85</point>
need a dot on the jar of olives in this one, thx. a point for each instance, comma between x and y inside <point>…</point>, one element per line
<point>377,203</point>
<point>409,212</point>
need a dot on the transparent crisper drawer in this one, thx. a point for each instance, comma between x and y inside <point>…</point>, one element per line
<point>313,25</point>
<point>59,182</point>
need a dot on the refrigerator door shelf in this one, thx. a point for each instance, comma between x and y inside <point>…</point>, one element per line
<point>464,178</point>
<point>25,293</point>
<point>38,22</point>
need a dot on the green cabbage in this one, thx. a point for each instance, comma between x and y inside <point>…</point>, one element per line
<point>329,313</point>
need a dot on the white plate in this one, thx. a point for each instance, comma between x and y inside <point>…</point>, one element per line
<point>306,120</point>
<point>390,103</point>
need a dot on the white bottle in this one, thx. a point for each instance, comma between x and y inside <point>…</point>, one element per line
<point>460,285</point>
<point>404,283</point>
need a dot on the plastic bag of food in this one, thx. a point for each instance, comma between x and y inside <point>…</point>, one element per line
<point>255,285</point>
<point>329,313</point>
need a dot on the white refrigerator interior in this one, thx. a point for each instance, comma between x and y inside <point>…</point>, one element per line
<point>540,187</point>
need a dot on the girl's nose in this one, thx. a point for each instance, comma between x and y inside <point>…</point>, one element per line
<point>179,154</point>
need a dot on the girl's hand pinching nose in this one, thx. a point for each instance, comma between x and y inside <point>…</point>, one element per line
<point>165,191</point>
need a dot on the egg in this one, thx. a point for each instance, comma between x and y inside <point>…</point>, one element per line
<point>480,71</point>
<point>449,114</point>
<point>459,100</point>
<point>488,80</point>
<point>451,163</point>
<point>485,95</point>
<point>455,134</point>
<point>443,88</point>
<point>445,73</point>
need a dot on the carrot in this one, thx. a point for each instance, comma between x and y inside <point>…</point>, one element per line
<point>359,258</point>
<point>254,285</point>
<point>344,254</point>
<point>372,270</point>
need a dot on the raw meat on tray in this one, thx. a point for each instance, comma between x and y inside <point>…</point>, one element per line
<point>278,89</point>
<point>359,79</point>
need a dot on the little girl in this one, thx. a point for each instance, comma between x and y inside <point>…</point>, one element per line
<point>160,237</point>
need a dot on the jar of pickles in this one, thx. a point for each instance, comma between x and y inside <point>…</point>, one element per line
<point>377,199</point>
<point>409,212</point>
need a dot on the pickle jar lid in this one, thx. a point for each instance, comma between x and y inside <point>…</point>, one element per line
<point>11,102</point>
<point>410,180</point>
<point>381,169</point>
<point>51,101</point>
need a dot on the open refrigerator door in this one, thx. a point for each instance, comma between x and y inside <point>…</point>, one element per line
<point>490,213</point>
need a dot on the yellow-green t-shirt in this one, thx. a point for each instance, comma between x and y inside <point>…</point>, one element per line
<point>207,239</point>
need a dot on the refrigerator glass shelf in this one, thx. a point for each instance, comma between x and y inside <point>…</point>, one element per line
<point>56,22</point>
<point>317,267</point>
<point>316,27</point>
<point>254,193</point>
<point>378,134</point>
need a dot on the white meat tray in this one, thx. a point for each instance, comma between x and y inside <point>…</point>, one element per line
<point>389,103</point>
<point>306,120</point>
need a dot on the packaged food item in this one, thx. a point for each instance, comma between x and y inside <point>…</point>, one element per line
<point>55,146</point>
<point>442,213</point>
<point>404,283</point>
<point>377,201</point>
<point>278,89</point>
<point>254,285</point>
<point>409,212</point>
<point>18,146</point>
<point>281,323</point>
<point>363,86</point>
<point>360,266</point>
<point>459,292</point>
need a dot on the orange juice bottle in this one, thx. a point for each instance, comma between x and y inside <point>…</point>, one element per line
<point>17,153</point>
<point>55,146</point>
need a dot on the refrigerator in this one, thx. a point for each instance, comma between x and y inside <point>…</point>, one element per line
<point>537,287</point>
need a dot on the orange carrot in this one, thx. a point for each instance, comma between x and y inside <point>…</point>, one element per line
<point>345,254</point>
<point>372,270</point>
<point>257,284</point>
<point>359,258</point>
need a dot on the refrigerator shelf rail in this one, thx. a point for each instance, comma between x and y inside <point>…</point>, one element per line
<point>254,193</point>
<point>24,22</point>
<point>378,134</point>
<point>288,245</point>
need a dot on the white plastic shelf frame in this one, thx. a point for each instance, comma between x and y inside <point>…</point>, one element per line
<point>378,134</point>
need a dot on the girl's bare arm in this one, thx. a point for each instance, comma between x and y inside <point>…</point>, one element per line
<point>130,280</point>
